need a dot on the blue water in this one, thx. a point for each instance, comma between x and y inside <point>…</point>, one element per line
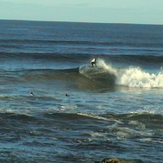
<point>55,107</point>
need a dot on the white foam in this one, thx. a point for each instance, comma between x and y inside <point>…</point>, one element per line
<point>97,134</point>
<point>138,125</point>
<point>93,116</point>
<point>136,77</point>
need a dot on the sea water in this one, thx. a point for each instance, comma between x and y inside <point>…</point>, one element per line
<point>55,107</point>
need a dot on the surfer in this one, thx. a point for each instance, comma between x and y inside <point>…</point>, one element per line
<point>32,94</point>
<point>93,62</point>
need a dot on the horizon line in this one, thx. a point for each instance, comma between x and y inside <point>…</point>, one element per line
<point>86,22</point>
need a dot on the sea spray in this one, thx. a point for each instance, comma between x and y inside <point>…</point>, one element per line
<point>101,64</point>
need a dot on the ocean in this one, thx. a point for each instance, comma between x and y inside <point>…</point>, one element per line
<point>55,107</point>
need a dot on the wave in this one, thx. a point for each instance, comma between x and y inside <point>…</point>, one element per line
<point>49,56</point>
<point>138,59</point>
<point>79,57</point>
<point>130,77</point>
<point>112,42</point>
<point>103,75</point>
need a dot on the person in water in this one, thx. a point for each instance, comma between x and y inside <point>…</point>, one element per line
<point>93,62</point>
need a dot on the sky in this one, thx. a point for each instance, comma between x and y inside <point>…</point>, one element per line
<point>99,11</point>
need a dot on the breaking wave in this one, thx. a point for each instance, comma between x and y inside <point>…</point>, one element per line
<point>130,77</point>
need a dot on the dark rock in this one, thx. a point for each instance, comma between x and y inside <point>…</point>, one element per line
<point>115,160</point>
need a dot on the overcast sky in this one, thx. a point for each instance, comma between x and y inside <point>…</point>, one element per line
<point>102,11</point>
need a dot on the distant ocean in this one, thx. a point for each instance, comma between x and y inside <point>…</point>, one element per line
<point>55,107</point>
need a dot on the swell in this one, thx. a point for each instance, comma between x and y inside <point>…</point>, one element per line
<point>81,58</point>
<point>70,76</point>
<point>112,42</point>
<point>139,59</point>
<point>102,75</point>
<point>46,72</point>
<point>151,121</point>
<point>49,56</point>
